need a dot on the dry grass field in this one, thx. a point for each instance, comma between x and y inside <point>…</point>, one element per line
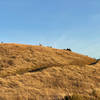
<point>42,73</point>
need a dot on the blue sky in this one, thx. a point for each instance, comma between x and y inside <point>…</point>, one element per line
<point>71,24</point>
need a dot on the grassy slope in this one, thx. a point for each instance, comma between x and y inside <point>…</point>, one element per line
<point>64,72</point>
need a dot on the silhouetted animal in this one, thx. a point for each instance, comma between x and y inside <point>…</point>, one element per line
<point>69,49</point>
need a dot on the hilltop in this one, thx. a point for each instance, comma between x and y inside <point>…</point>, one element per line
<point>30,72</point>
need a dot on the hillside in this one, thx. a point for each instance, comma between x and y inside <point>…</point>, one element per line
<point>37,73</point>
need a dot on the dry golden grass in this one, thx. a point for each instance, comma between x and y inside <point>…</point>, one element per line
<point>37,73</point>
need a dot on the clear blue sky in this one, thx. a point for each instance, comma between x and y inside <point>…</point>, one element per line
<point>71,24</point>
